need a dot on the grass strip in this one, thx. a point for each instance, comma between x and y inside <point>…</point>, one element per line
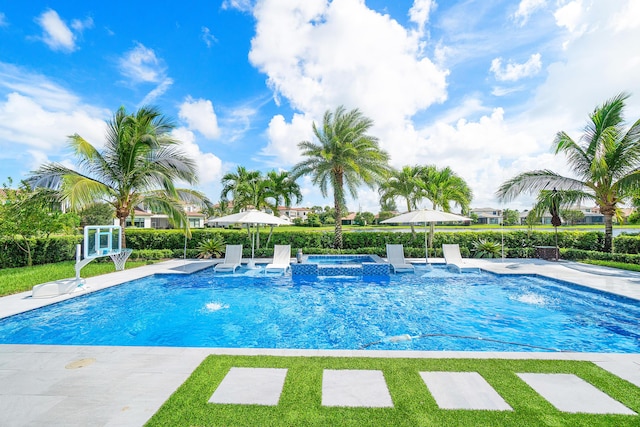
<point>613,264</point>
<point>300,402</point>
<point>21,279</point>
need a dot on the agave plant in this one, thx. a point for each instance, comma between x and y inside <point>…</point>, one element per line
<point>212,247</point>
<point>483,248</point>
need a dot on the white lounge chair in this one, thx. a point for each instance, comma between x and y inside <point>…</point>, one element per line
<point>232,259</point>
<point>395,257</point>
<point>452,258</point>
<point>281,259</point>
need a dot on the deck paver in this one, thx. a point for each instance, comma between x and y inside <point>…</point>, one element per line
<point>251,386</point>
<point>570,393</point>
<point>355,388</point>
<point>463,390</point>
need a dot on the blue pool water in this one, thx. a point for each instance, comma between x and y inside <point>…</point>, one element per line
<point>440,309</point>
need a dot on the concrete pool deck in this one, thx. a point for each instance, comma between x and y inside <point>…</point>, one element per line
<point>125,386</point>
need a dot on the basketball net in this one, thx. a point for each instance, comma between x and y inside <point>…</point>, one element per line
<point>120,258</point>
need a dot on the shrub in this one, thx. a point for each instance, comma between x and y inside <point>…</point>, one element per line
<point>483,248</point>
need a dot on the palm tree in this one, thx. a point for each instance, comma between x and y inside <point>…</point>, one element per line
<point>138,165</point>
<point>235,184</point>
<point>249,189</point>
<point>404,183</point>
<point>605,163</point>
<point>344,156</point>
<point>442,187</point>
<point>283,188</point>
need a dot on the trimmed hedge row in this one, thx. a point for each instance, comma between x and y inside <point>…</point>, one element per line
<point>43,251</point>
<point>578,254</point>
<point>158,244</point>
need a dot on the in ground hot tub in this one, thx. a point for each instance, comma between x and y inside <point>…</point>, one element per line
<point>341,265</point>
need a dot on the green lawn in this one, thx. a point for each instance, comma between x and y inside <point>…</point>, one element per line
<point>300,402</point>
<point>15,280</point>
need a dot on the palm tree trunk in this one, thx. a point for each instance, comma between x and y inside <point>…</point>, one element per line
<point>608,232</point>
<point>413,230</point>
<point>337,205</point>
<point>270,234</point>
<point>123,223</point>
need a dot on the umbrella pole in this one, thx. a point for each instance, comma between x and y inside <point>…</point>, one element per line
<point>426,247</point>
<point>251,263</point>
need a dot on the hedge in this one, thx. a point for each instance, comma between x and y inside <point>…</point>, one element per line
<point>158,244</point>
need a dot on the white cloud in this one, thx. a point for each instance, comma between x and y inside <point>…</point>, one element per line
<point>56,34</point>
<point>142,65</point>
<point>319,55</point>
<point>209,165</point>
<point>200,116</point>
<point>207,37</point>
<point>628,18</point>
<point>526,8</point>
<point>36,118</point>
<point>513,71</point>
<point>241,5</point>
<point>570,16</point>
<point>3,20</point>
<point>158,91</point>
<point>284,138</point>
<point>81,25</point>
<point>419,12</point>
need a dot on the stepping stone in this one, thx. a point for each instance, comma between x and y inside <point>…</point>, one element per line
<point>570,393</point>
<point>463,390</point>
<point>250,386</point>
<point>355,388</point>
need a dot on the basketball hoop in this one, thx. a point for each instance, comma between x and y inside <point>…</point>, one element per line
<point>120,258</point>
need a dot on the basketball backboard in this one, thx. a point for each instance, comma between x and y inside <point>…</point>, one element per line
<point>102,240</point>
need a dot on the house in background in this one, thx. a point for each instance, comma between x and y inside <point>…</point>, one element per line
<point>293,213</point>
<point>148,219</point>
<point>592,215</point>
<point>349,219</point>
<point>488,215</point>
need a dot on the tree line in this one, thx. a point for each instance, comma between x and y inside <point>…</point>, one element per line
<point>141,164</point>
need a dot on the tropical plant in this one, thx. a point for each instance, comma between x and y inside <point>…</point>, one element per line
<point>405,183</point>
<point>238,185</point>
<point>484,248</point>
<point>282,188</point>
<point>211,247</point>
<point>605,162</point>
<point>444,187</point>
<point>138,166</point>
<point>345,155</point>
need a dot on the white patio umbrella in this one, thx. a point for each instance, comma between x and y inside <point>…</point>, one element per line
<point>250,217</point>
<point>425,216</point>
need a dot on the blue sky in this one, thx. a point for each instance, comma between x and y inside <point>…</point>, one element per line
<point>481,86</point>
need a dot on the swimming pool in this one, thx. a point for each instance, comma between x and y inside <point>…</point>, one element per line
<point>440,309</point>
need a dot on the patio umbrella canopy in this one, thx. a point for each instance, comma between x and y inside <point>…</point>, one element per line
<point>425,216</point>
<point>250,217</point>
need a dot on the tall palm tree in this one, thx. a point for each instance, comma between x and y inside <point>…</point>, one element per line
<point>442,187</point>
<point>283,188</point>
<point>605,162</point>
<point>403,183</point>
<point>138,165</point>
<point>345,155</point>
